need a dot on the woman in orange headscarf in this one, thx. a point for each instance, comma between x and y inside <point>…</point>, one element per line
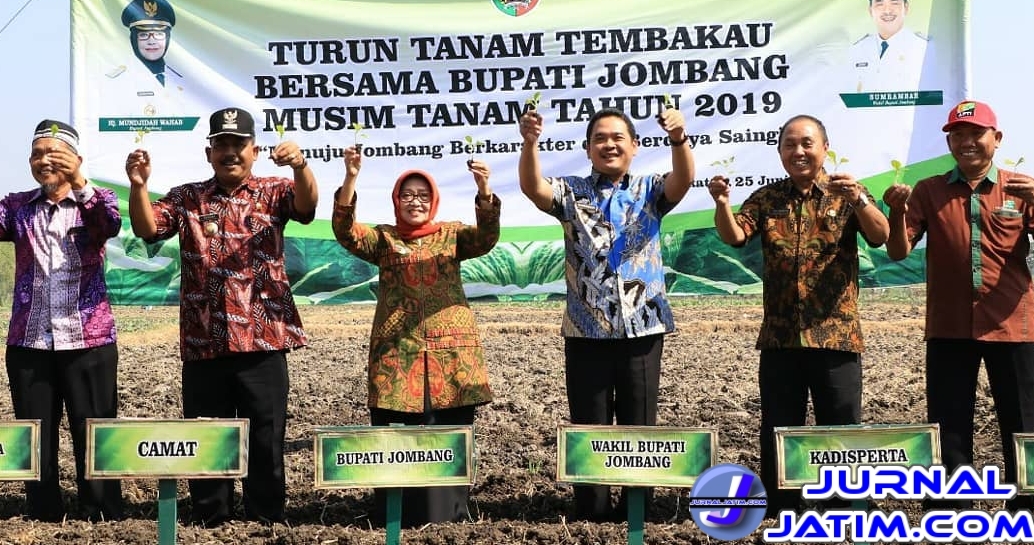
<point>426,363</point>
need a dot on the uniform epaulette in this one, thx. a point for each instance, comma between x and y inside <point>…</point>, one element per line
<point>860,39</point>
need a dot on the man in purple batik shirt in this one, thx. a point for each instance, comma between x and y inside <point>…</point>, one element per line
<point>61,342</point>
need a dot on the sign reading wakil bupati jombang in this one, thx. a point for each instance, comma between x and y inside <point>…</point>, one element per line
<point>166,449</point>
<point>1024,445</point>
<point>396,456</point>
<point>634,455</point>
<point>19,450</point>
<point>801,451</point>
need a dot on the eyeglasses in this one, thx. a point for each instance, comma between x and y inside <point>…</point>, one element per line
<point>151,34</point>
<point>408,197</point>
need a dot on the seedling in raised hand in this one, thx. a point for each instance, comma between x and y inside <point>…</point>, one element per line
<point>472,146</point>
<point>533,102</point>
<point>279,131</point>
<point>140,134</point>
<point>1009,162</point>
<point>357,133</point>
<point>668,102</point>
<point>726,165</point>
<point>899,170</point>
<point>836,160</point>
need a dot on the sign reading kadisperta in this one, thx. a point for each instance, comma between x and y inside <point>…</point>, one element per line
<point>801,451</point>
<point>402,456</point>
<point>634,455</point>
<point>19,450</point>
<point>166,449</point>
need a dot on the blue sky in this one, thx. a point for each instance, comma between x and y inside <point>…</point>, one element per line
<point>34,69</point>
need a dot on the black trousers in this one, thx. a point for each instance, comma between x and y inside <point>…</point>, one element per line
<point>250,385</point>
<point>611,381</point>
<point>430,503</point>
<point>952,366</point>
<point>785,379</point>
<point>84,382</point>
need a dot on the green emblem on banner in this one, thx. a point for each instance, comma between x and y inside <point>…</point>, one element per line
<point>19,450</point>
<point>1024,445</point>
<point>203,448</point>
<point>801,451</point>
<point>397,456</point>
<point>886,99</point>
<point>149,124</point>
<point>634,455</point>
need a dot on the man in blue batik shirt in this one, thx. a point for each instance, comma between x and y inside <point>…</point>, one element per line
<point>617,311</point>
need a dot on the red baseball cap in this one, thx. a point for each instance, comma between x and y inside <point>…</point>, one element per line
<point>972,112</point>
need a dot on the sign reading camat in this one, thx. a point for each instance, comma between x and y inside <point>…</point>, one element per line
<point>633,455</point>
<point>202,448</point>
<point>801,451</point>
<point>402,456</point>
<point>19,450</point>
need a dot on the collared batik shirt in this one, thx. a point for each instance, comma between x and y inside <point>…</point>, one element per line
<point>978,285</point>
<point>60,298</point>
<point>810,250</point>
<point>234,292</point>
<point>614,273</point>
<point>423,329</point>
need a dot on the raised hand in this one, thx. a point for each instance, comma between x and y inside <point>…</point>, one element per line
<point>138,167</point>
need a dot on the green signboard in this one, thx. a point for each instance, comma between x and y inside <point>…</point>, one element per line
<point>166,449</point>
<point>801,451</point>
<point>634,455</point>
<point>19,450</point>
<point>396,456</point>
<point>1024,445</point>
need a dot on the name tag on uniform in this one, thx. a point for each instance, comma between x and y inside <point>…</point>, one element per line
<point>145,93</point>
<point>861,64</point>
<point>779,213</point>
<point>1007,212</point>
<point>208,217</point>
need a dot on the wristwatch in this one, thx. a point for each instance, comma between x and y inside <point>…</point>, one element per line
<point>862,202</point>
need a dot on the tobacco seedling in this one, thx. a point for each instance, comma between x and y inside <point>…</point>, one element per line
<point>472,146</point>
<point>357,133</point>
<point>899,170</point>
<point>1014,164</point>
<point>533,102</point>
<point>140,134</point>
<point>668,102</point>
<point>836,160</point>
<point>54,130</point>
<point>279,131</point>
<point>726,165</point>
